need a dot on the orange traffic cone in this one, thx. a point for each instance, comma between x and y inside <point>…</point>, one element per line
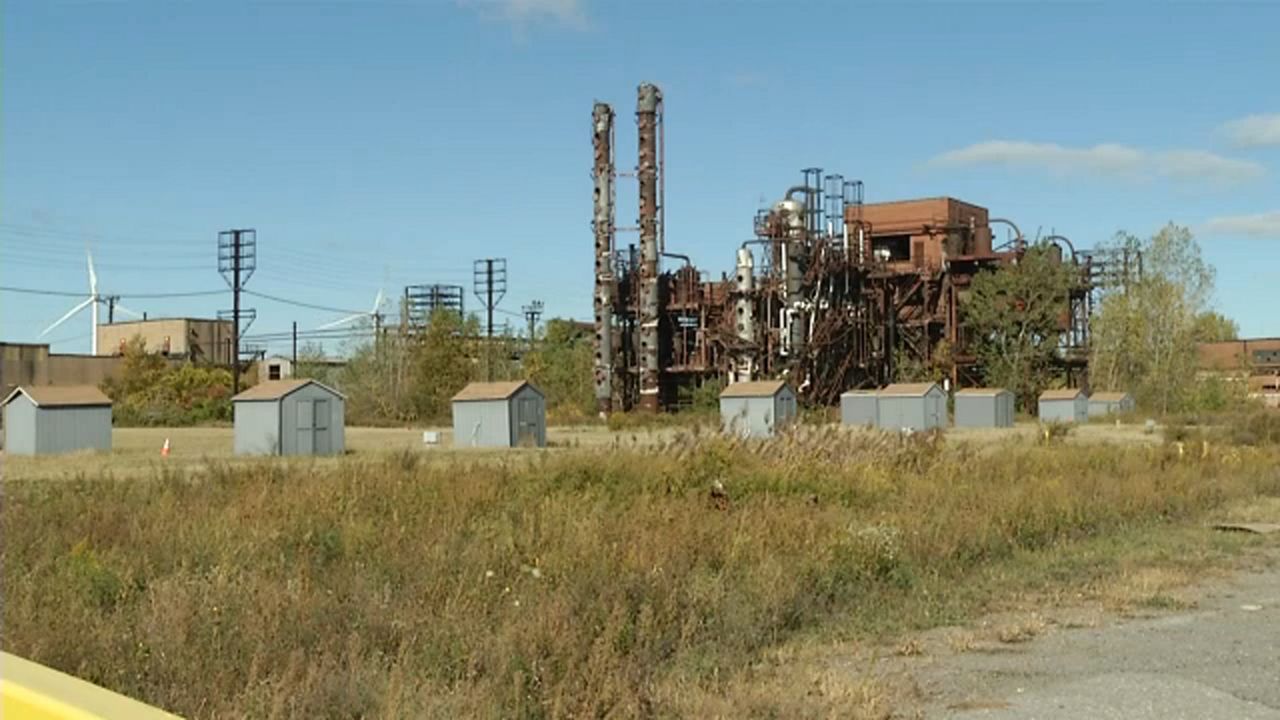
<point>164,451</point>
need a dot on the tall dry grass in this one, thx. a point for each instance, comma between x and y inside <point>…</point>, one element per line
<point>584,583</point>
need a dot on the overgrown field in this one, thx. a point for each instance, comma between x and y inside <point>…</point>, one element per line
<point>586,582</point>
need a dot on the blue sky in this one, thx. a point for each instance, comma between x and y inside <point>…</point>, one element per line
<point>377,144</point>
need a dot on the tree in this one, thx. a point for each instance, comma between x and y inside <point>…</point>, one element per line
<point>1212,326</point>
<point>442,361</point>
<point>560,365</point>
<point>1145,330</point>
<point>150,390</point>
<point>1016,314</point>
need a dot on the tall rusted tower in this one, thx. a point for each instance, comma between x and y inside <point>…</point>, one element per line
<point>648,122</point>
<point>602,223</point>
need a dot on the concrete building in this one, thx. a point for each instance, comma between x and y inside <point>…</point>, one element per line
<point>757,409</point>
<point>1110,403</point>
<point>43,419</point>
<point>31,364</point>
<point>984,407</point>
<point>911,406</point>
<point>1068,405</point>
<point>500,414</point>
<point>290,417</point>
<point>200,340</point>
<point>858,407</point>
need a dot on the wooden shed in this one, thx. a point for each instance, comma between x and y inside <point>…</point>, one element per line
<point>47,419</point>
<point>290,417</point>
<point>758,408</point>
<point>500,414</point>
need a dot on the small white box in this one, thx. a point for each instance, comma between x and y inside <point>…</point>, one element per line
<point>430,437</point>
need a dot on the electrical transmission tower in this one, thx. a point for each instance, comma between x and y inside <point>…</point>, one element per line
<point>490,286</point>
<point>531,313</point>
<point>237,259</point>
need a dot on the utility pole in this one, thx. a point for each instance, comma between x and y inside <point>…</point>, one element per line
<point>295,346</point>
<point>111,308</point>
<point>490,286</point>
<point>531,313</point>
<point>237,259</point>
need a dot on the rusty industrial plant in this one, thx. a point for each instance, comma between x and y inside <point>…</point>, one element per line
<point>831,293</point>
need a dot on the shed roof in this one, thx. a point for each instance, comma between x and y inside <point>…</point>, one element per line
<point>492,390</point>
<point>61,395</point>
<point>859,393</point>
<point>908,389</point>
<point>276,389</point>
<point>755,388</point>
<point>1109,396</point>
<point>1061,394</point>
<point>981,391</point>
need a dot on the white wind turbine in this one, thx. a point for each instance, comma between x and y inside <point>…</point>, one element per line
<point>90,302</point>
<point>373,314</point>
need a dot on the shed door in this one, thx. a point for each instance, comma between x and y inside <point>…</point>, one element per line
<point>527,421</point>
<point>323,441</point>
<point>306,427</point>
<point>935,406</point>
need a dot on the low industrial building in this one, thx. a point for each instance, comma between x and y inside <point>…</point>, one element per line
<point>46,419</point>
<point>911,406</point>
<point>1110,403</point>
<point>984,407</point>
<point>290,417</point>
<point>199,340</point>
<point>757,409</point>
<point>1068,405</point>
<point>858,407</point>
<point>500,414</point>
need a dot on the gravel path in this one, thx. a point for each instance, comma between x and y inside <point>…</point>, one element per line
<point>1218,661</point>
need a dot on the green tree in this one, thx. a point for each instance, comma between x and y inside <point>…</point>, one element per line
<point>442,360</point>
<point>150,390</point>
<point>1212,326</point>
<point>1145,329</point>
<point>560,364</point>
<point>1016,315</point>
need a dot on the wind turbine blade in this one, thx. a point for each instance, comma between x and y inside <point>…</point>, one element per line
<point>127,311</point>
<point>343,321</point>
<point>93,276</point>
<point>68,316</point>
<point>377,302</point>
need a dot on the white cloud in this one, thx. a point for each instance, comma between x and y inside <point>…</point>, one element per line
<point>523,13</point>
<point>1261,225</point>
<point>1202,165</point>
<point>1106,160</point>
<point>1253,130</point>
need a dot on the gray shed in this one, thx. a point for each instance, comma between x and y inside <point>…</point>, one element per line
<point>1108,403</point>
<point>984,407</point>
<point>911,406</point>
<point>757,409</point>
<point>858,407</point>
<point>290,417</point>
<point>46,419</point>
<point>500,414</point>
<point>1068,405</point>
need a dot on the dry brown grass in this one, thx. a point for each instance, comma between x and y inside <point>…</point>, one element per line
<point>587,582</point>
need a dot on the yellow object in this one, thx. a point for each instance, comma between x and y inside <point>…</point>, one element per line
<point>30,691</point>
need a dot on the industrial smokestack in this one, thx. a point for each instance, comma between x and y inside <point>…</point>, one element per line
<point>648,118</point>
<point>602,223</point>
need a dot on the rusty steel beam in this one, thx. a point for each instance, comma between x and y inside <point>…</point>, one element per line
<point>648,111</point>
<point>602,223</point>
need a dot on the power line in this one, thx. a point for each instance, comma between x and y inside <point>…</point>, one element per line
<point>297,303</point>
<point>33,291</point>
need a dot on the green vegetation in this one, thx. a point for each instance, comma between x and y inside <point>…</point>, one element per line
<point>1148,324</point>
<point>560,364</point>
<point>1016,316</point>
<point>578,582</point>
<point>152,391</point>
